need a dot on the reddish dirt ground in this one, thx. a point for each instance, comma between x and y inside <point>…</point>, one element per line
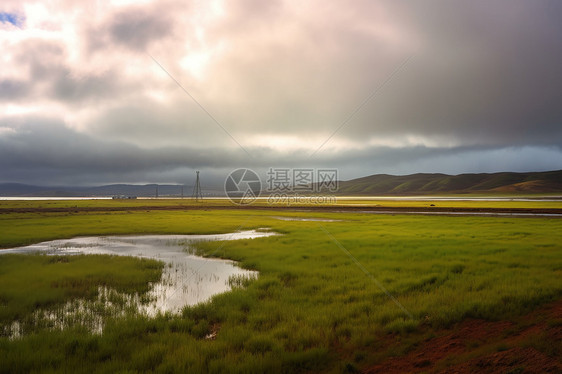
<point>528,344</point>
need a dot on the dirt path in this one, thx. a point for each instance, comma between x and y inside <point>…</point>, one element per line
<point>522,212</point>
<point>529,344</point>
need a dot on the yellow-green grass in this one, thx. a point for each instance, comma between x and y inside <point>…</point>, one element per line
<point>481,204</point>
<point>110,203</point>
<point>30,282</point>
<point>390,202</point>
<point>22,229</point>
<point>312,307</point>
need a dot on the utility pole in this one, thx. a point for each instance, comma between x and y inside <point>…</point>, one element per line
<point>157,191</point>
<point>197,195</point>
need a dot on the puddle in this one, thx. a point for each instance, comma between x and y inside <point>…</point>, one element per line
<point>186,279</point>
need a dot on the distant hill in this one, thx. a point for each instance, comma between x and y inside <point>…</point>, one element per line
<point>384,184</point>
<point>379,184</point>
<point>146,190</point>
<point>17,189</point>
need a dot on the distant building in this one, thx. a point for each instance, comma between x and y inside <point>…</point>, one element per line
<point>123,197</point>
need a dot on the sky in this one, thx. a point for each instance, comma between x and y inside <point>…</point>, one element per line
<point>147,91</point>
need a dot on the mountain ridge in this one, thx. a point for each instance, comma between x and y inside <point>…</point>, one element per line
<point>142,190</point>
<point>377,184</point>
<point>430,183</point>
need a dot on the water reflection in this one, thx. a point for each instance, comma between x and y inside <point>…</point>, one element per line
<point>186,279</point>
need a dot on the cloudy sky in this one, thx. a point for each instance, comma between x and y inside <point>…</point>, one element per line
<point>149,91</point>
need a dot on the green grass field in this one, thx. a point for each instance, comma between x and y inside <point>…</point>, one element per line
<point>313,307</point>
<point>30,282</point>
<point>339,201</point>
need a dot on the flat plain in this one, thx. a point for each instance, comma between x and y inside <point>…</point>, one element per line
<point>348,291</point>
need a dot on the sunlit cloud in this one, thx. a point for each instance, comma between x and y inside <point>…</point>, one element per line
<point>279,79</point>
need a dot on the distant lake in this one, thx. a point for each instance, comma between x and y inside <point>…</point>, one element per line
<point>53,198</point>
<point>339,198</point>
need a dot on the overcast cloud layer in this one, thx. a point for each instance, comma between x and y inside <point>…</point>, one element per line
<point>89,91</point>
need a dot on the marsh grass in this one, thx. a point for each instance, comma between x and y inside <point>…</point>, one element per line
<point>311,308</point>
<point>47,292</point>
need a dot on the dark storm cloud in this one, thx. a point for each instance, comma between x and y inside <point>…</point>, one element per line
<point>50,77</point>
<point>482,73</point>
<point>485,73</point>
<point>65,86</point>
<point>40,151</point>
<point>13,89</point>
<point>136,27</point>
<point>39,56</point>
<point>37,142</point>
<point>44,152</point>
<point>481,90</point>
<point>147,122</point>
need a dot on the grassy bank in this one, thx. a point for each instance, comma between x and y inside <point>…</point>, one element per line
<point>312,308</point>
<point>31,282</point>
